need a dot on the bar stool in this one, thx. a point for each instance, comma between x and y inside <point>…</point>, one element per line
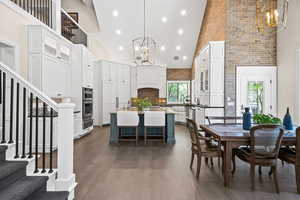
<point>154,119</point>
<point>127,119</point>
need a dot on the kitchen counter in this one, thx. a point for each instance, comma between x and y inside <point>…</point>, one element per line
<point>165,109</point>
<point>169,128</point>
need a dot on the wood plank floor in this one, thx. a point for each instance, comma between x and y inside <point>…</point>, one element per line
<point>161,172</point>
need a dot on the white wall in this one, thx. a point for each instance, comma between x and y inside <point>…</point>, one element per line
<point>97,48</point>
<point>288,45</point>
<point>13,32</point>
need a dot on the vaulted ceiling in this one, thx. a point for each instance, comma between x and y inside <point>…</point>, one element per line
<point>174,24</point>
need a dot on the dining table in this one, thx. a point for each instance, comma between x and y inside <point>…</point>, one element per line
<point>233,136</point>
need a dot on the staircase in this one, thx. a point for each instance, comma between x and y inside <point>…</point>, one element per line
<point>15,185</point>
<point>25,173</point>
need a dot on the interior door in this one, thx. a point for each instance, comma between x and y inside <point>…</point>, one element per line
<point>256,88</point>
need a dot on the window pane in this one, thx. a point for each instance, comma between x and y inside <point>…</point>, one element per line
<point>256,96</point>
<point>172,92</point>
<point>182,91</point>
<point>177,91</point>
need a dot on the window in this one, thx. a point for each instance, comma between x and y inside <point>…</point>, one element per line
<point>178,91</point>
<point>256,96</point>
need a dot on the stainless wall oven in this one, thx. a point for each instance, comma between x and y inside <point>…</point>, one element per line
<point>87,107</point>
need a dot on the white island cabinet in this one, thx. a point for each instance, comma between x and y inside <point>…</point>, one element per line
<point>49,61</point>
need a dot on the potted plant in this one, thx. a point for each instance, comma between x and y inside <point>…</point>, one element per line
<point>143,103</point>
<point>266,119</point>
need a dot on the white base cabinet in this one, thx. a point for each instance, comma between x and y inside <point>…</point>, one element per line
<point>77,124</point>
<point>112,89</point>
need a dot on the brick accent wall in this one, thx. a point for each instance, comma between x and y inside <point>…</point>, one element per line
<point>244,45</point>
<point>213,25</point>
<point>178,74</point>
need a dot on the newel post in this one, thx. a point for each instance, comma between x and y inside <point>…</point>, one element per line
<point>65,131</point>
<point>57,16</point>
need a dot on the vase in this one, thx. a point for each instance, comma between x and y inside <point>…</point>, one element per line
<point>287,120</point>
<point>247,119</point>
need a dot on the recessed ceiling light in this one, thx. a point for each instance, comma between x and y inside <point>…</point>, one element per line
<point>115,13</point>
<point>164,19</point>
<point>162,48</point>
<point>178,48</point>
<point>184,58</point>
<point>183,12</point>
<point>121,48</point>
<point>180,31</point>
<point>118,32</point>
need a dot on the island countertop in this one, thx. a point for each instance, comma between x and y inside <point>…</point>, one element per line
<point>165,109</point>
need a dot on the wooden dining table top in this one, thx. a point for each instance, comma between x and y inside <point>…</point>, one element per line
<point>235,132</point>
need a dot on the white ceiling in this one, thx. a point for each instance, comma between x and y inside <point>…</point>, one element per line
<point>130,23</point>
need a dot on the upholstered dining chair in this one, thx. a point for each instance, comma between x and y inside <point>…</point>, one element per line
<point>199,146</point>
<point>127,119</point>
<point>155,119</point>
<point>223,119</point>
<point>212,120</point>
<point>292,156</point>
<point>265,141</point>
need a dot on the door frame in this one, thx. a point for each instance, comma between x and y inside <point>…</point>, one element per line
<point>275,77</point>
<point>298,84</point>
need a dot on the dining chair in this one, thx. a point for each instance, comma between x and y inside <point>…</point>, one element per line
<point>155,119</point>
<point>292,156</point>
<point>127,119</point>
<point>223,119</point>
<point>220,120</point>
<point>199,146</point>
<point>265,141</point>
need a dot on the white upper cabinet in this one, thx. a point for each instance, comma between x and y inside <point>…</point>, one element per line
<point>209,76</point>
<point>49,61</point>
<point>83,64</point>
<point>87,68</point>
<point>113,86</point>
<point>123,84</point>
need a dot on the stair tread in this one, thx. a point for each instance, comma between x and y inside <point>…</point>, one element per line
<point>3,148</point>
<point>51,196</point>
<point>9,167</point>
<point>23,188</point>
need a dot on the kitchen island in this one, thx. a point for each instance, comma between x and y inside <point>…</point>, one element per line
<point>170,126</point>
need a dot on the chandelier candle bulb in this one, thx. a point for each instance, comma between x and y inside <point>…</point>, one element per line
<point>144,47</point>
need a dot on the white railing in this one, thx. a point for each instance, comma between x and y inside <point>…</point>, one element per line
<point>65,176</point>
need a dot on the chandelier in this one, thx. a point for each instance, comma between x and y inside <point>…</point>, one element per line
<point>269,15</point>
<point>144,48</point>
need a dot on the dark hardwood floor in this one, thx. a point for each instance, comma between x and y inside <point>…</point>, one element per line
<point>161,172</point>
